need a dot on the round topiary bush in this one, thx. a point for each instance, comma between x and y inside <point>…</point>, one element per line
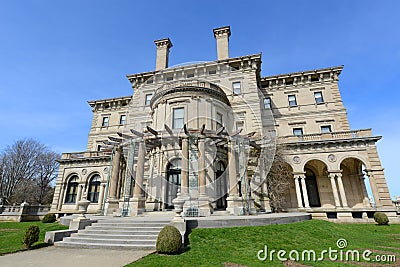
<point>31,236</point>
<point>49,218</point>
<point>381,218</point>
<point>169,240</point>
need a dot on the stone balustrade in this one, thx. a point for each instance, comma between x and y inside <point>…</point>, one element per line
<point>86,154</point>
<point>326,136</point>
<point>23,212</point>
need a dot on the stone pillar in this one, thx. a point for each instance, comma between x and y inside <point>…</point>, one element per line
<point>334,189</point>
<point>78,196</point>
<point>138,201</point>
<point>304,189</point>
<point>341,190</point>
<point>364,191</point>
<point>185,168</point>
<point>234,202</point>
<point>112,202</point>
<point>115,173</point>
<point>298,192</point>
<point>101,198</point>
<point>62,196</point>
<point>373,187</point>
<point>204,203</point>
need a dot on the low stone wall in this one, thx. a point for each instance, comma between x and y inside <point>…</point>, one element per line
<point>23,212</point>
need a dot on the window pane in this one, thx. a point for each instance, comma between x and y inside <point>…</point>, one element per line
<point>178,118</point>
<point>292,100</point>
<point>239,125</point>
<point>148,98</point>
<point>267,102</point>
<point>236,88</point>
<point>297,131</point>
<point>318,97</point>
<point>105,122</point>
<point>219,120</point>
<point>122,120</point>
<point>326,129</point>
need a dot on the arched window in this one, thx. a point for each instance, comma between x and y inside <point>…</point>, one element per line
<point>72,190</point>
<point>94,189</point>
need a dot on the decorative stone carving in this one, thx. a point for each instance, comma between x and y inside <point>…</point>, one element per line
<point>105,170</point>
<point>331,158</point>
<point>84,172</point>
<point>296,159</point>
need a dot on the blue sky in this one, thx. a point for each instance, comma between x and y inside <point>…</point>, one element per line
<point>56,55</point>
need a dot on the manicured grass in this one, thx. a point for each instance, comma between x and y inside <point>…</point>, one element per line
<point>11,234</point>
<point>239,245</point>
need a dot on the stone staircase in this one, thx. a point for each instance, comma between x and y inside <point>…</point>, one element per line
<point>118,233</point>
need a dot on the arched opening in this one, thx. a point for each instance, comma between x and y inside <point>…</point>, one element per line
<point>312,189</point>
<point>173,181</point>
<point>356,189</point>
<point>72,190</point>
<point>221,185</point>
<point>94,189</point>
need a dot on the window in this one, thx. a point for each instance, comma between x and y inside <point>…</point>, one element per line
<point>219,120</point>
<point>190,75</point>
<point>72,189</point>
<point>237,88</point>
<point>239,125</point>
<point>178,118</point>
<point>267,103</point>
<point>105,122</point>
<point>211,72</point>
<point>292,100</point>
<point>170,78</point>
<point>148,98</point>
<point>298,131</point>
<point>99,147</point>
<point>318,97</point>
<point>94,189</point>
<point>326,129</point>
<point>122,120</point>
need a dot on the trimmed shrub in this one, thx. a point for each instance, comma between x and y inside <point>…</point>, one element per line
<point>381,218</point>
<point>31,236</point>
<point>49,218</point>
<point>169,240</point>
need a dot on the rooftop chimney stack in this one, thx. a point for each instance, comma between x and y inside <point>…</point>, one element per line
<point>222,35</point>
<point>163,46</point>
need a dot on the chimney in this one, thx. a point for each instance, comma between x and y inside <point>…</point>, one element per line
<point>163,46</point>
<point>222,35</point>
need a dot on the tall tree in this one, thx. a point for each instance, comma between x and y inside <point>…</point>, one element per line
<point>25,161</point>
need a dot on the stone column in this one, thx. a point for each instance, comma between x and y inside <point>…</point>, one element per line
<point>341,189</point>
<point>234,202</point>
<point>62,196</point>
<point>334,189</point>
<point>202,167</point>
<point>185,167</point>
<point>364,191</point>
<point>304,189</point>
<point>115,173</point>
<point>78,196</point>
<point>298,192</point>
<point>101,197</point>
<point>373,187</point>
<point>137,204</point>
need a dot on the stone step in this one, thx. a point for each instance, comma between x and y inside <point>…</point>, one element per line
<point>126,228</point>
<point>113,224</point>
<point>105,246</point>
<point>111,241</point>
<point>115,236</point>
<point>119,232</point>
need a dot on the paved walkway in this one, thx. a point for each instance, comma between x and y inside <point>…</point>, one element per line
<point>60,257</point>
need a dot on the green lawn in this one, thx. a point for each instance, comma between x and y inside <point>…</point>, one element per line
<point>239,245</point>
<point>11,234</point>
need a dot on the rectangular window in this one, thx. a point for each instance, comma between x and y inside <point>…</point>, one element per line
<point>170,78</point>
<point>178,118</point>
<point>190,75</point>
<point>237,88</point>
<point>292,100</point>
<point>297,131</point>
<point>239,125</point>
<point>318,97</point>
<point>267,103</point>
<point>122,120</point>
<point>104,122</point>
<point>98,147</point>
<point>326,129</point>
<point>147,100</point>
<point>219,120</point>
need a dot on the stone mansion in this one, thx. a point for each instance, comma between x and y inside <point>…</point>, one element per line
<point>199,138</point>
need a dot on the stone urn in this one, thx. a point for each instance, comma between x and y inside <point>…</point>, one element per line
<point>178,204</point>
<point>83,206</point>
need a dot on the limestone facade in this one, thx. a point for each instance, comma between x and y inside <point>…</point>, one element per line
<point>197,138</point>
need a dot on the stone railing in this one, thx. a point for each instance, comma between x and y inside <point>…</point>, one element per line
<point>23,212</point>
<point>326,136</point>
<point>397,204</point>
<point>86,154</point>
